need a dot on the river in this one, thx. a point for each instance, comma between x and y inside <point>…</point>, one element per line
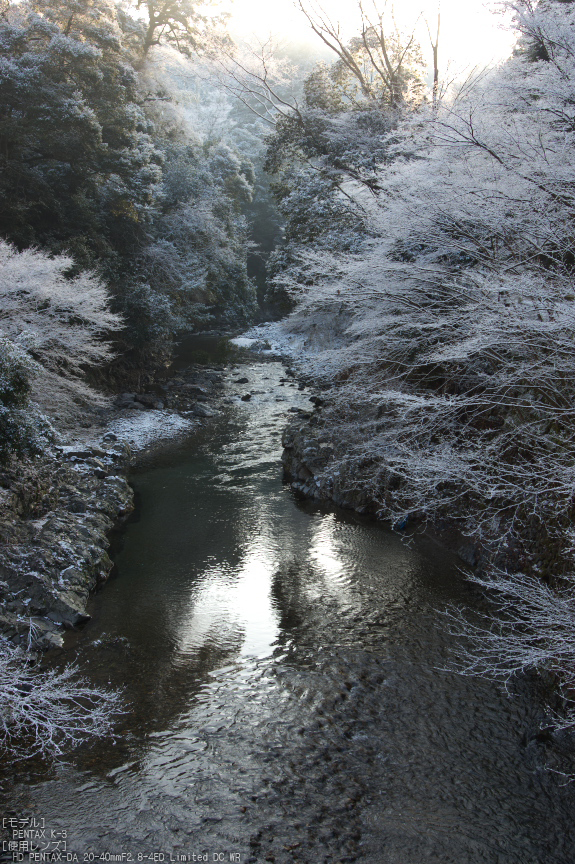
<point>284,669</point>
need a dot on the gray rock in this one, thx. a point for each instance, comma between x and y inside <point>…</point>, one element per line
<point>147,399</point>
<point>124,399</point>
<point>77,505</point>
<point>195,390</point>
<point>68,610</point>
<point>57,558</point>
<point>202,411</point>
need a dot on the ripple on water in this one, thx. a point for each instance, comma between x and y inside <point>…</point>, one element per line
<point>283,663</point>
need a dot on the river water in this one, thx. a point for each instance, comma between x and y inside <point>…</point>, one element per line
<point>284,668</point>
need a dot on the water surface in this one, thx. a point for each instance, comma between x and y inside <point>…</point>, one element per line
<point>283,664</point>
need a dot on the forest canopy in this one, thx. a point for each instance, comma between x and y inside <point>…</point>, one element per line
<point>90,167</point>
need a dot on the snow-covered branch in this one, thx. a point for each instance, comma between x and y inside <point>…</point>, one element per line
<point>47,712</point>
<point>444,348</point>
<point>57,325</point>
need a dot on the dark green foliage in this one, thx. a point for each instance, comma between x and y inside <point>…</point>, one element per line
<point>76,162</point>
<point>87,167</point>
<point>21,430</point>
<point>15,371</point>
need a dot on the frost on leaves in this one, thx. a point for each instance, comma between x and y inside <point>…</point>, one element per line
<point>450,388</point>
<point>47,712</point>
<point>52,328</point>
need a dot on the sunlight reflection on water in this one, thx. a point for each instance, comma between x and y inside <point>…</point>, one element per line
<point>283,668</point>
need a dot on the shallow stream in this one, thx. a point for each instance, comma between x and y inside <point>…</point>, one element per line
<point>284,666</point>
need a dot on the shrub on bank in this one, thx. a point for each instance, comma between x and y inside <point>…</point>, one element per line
<point>46,712</point>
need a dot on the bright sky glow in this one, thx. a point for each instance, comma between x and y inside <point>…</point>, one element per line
<point>471,34</point>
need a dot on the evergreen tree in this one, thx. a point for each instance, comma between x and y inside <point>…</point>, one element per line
<point>89,167</point>
<point>77,165</point>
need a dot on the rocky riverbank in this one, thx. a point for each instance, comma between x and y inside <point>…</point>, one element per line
<point>55,516</point>
<point>170,408</point>
<point>313,470</point>
<point>57,510</point>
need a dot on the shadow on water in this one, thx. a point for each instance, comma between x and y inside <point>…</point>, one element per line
<point>283,663</point>
<point>204,350</point>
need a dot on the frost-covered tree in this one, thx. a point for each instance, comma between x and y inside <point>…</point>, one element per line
<point>194,262</point>
<point>331,142</point>
<point>90,146</point>
<point>53,327</point>
<point>198,255</point>
<point>78,166</point>
<point>48,712</point>
<point>382,64</point>
<point>445,348</point>
<point>187,25</point>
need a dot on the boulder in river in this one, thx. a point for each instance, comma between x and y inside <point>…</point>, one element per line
<point>202,411</point>
<point>149,400</point>
<point>123,400</point>
<point>195,390</point>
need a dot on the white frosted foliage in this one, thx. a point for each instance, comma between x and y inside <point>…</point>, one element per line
<point>445,349</point>
<point>61,322</point>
